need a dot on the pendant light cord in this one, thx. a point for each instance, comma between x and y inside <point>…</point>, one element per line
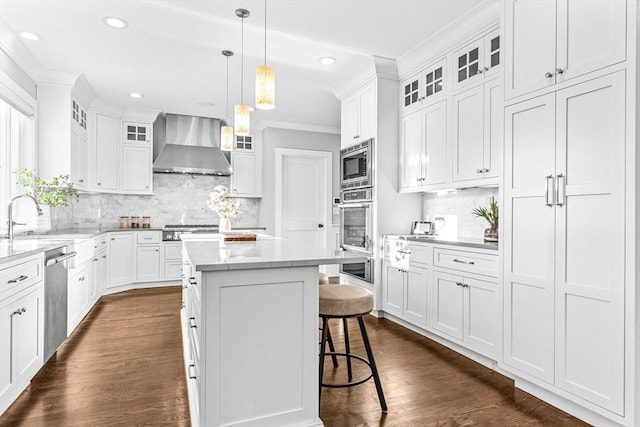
<point>227,103</point>
<point>265,33</point>
<point>242,64</point>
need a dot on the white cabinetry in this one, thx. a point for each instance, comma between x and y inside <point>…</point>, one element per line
<point>107,146</point>
<point>172,260</point>
<point>477,132</point>
<point>148,255</point>
<point>477,61</point>
<point>137,156</point>
<point>428,85</point>
<point>358,120</point>
<point>423,147</point>
<point>78,294</point>
<point>565,157</point>
<point>549,41</point>
<point>246,161</point>
<point>62,130</point>
<point>121,267</point>
<point>101,265</point>
<point>465,300</point>
<point>21,326</point>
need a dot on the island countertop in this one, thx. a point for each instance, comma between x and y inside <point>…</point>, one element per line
<point>216,255</point>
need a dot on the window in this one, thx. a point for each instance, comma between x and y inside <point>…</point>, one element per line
<point>17,151</point>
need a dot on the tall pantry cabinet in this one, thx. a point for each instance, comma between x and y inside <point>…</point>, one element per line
<point>568,203</point>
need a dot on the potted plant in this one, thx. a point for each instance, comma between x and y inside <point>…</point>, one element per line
<point>491,215</point>
<point>221,203</point>
<point>55,192</point>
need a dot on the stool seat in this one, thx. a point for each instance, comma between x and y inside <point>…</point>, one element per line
<point>344,300</point>
<point>323,279</point>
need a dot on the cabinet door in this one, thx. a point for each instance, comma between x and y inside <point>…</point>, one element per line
<point>350,111</point>
<point>434,157</point>
<point>367,114</point>
<point>591,35</point>
<point>468,63</point>
<point>79,157</point>
<point>121,268</point>
<point>243,180</point>
<point>148,263</point>
<point>468,134</point>
<point>492,54</point>
<point>482,315</point>
<point>530,45</point>
<point>590,258</point>
<point>411,159</point>
<point>27,338</point>
<point>392,289</point>
<point>102,273</point>
<point>77,296</point>
<point>415,298</point>
<point>410,95</point>
<point>107,143</point>
<point>136,170</point>
<point>493,132</point>
<point>136,133</point>
<point>448,304</point>
<point>528,237</point>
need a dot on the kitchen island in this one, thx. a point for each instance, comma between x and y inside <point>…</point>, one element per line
<point>250,330</point>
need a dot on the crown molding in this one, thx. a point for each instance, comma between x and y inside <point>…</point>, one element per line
<point>308,127</point>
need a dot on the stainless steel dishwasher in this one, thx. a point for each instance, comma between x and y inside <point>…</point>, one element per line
<point>55,299</point>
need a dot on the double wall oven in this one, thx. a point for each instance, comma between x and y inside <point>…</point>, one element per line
<point>356,216</point>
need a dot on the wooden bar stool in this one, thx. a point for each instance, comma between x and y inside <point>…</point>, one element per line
<point>346,302</point>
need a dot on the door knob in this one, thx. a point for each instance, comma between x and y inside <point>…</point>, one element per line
<point>320,225</point>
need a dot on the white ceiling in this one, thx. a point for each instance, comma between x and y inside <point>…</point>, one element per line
<point>171,51</point>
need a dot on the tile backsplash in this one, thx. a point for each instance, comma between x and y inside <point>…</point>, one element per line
<point>176,199</point>
<point>460,203</point>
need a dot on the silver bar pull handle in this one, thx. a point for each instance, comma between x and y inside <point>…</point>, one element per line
<point>192,322</point>
<point>192,373</point>
<point>405,252</point>
<point>560,191</point>
<point>18,279</point>
<point>548,191</point>
<point>463,262</point>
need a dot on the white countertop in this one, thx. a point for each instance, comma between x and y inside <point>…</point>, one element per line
<point>457,241</point>
<point>213,254</point>
<point>14,249</point>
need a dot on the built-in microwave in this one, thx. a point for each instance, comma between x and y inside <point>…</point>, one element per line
<point>356,166</point>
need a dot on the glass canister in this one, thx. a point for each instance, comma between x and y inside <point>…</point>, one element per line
<point>146,222</point>
<point>135,221</point>
<point>124,222</point>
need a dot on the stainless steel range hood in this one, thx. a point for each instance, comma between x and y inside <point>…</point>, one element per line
<point>188,144</point>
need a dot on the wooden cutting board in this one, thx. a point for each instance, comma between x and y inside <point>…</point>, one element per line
<point>239,237</point>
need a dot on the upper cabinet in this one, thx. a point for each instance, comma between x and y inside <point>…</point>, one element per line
<point>106,144</point>
<point>246,161</point>
<point>477,61</point>
<point>358,119</point>
<point>137,157</point>
<point>425,87</point>
<point>551,41</point>
<point>62,130</point>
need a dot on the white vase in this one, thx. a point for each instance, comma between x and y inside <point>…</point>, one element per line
<point>42,223</point>
<point>225,224</point>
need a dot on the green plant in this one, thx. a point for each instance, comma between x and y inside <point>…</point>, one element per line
<point>55,192</point>
<point>490,214</point>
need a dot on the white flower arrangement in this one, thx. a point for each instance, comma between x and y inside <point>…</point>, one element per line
<point>221,203</point>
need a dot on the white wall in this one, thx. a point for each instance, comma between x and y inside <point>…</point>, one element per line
<point>273,138</point>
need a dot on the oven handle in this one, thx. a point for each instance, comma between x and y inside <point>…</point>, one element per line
<point>355,205</point>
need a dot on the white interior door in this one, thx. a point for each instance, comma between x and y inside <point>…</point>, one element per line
<point>303,191</point>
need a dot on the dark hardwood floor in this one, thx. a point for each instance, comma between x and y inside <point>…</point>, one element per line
<point>123,367</point>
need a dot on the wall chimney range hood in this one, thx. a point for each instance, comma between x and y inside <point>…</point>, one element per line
<point>189,145</point>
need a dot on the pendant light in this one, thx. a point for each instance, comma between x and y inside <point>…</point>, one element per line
<point>265,77</point>
<point>226,132</point>
<point>242,116</point>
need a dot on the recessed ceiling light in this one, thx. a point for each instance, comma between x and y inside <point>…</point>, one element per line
<point>115,22</point>
<point>136,95</point>
<point>328,60</point>
<point>206,104</point>
<point>30,36</point>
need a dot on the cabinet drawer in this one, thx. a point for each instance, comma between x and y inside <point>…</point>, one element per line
<point>144,237</point>
<point>100,243</point>
<point>20,275</point>
<point>420,254</point>
<point>173,251</point>
<point>85,251</point>
<point>466,261</point>
<point>172,270</point>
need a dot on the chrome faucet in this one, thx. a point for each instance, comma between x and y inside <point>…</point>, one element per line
<point>10,221</point>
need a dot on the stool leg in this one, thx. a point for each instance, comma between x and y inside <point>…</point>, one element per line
<point>347,348</point>
<point>374,370</point>
<point>323,341</point>
<point>331,347</point>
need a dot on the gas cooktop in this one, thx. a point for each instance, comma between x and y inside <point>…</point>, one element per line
<point>172,232</point>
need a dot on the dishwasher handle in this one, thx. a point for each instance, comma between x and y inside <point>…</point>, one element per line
<point>61,258</point>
